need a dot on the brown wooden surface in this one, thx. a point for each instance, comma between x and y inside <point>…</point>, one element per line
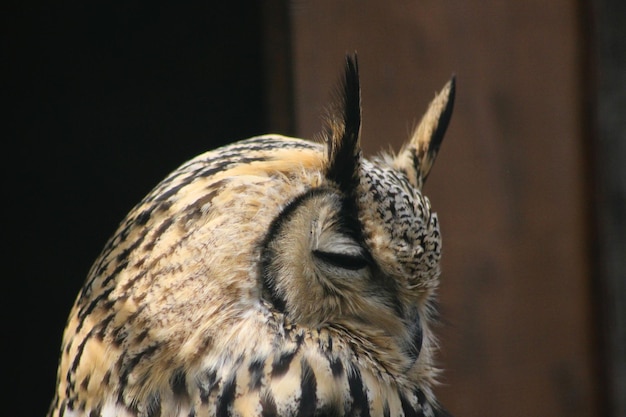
<point>509,183</point>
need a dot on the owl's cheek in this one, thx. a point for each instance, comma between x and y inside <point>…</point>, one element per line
<point>312,301</point>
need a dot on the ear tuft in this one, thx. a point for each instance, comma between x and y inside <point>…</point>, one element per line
<point>343,128</point>
<point>417,157</point>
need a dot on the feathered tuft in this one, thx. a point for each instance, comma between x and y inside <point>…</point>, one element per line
<point>343,131</point>
<point>417,156</point>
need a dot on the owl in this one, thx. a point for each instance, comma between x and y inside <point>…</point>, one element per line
<point>273,276</point>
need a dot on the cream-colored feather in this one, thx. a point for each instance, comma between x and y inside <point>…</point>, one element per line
<point>271,277</point>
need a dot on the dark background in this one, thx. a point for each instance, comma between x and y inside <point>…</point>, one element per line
<point>102,100</point>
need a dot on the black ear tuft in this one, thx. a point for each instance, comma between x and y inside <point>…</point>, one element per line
<point>343,130</point>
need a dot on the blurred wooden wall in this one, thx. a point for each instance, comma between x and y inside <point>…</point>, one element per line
<point>510,184</point>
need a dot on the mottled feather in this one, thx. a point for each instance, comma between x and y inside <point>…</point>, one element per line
<point>271,277</point>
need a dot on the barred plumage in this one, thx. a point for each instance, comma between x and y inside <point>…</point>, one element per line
<point>271,277</point>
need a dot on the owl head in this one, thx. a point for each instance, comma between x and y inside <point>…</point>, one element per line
<point>361,249</point>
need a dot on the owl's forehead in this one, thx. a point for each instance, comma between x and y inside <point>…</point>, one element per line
<point>392,195</point>
<point>396,217</point>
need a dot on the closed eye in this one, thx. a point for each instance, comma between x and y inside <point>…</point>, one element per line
<point>352,262</point>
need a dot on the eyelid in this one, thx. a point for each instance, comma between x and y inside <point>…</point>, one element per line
<point>352,262</point>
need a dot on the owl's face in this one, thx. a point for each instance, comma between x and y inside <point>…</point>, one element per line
<point>364,259</point>
<point>273,276</point>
